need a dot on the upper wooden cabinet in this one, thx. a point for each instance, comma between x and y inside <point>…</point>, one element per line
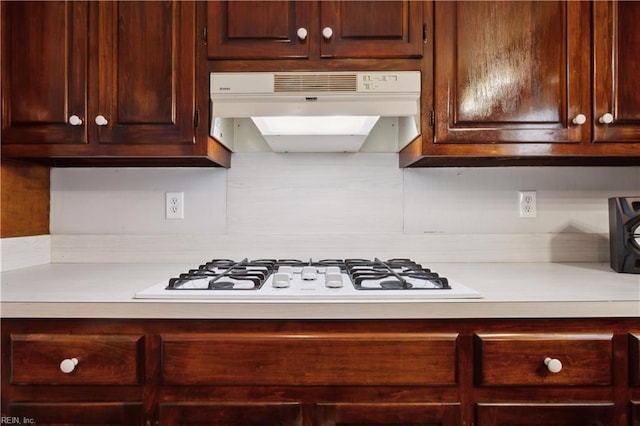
<point>616,93</point>
<point>103,80</point>
<point>257,29</point>
<point>512,84</point>
<point>44,72</point>
<point>504,72</point>
<point>143,73</point>
<point>307,29</point>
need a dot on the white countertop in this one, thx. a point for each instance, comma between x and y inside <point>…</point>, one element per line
<point>509,290</point>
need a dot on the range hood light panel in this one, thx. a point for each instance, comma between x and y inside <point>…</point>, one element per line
<point>315,125</point>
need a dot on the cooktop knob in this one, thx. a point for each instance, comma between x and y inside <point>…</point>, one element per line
<point>281,280</point>
<point>309,273</point>
<point>333,277</point>
<point>333,280</point>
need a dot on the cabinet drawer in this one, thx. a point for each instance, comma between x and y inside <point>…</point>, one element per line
<point>634,359</point>
<point>101,359</point>
<point>519,359</point>
<point>77,413</point>
<point>388,413</point>
<point>309,359</point>
<point>567,414</point>
<point>195,413</point>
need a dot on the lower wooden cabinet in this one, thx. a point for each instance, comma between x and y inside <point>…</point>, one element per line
<point>557,414</point>
<point>373,414</point>
<point>321,372</point>
<point>544,359</point>
<point>635,413</point>
<point>321,358</point>
<point>74,413</point>
<point>231,413</point>
<point>634,358</point>
<point>40,358</point>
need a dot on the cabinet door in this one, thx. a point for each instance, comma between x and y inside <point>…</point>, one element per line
<point>617,67</point>
<point>407,414</point>
<point>144,72</point>
<point>231,413</point>
<point>76,413</point>
<point>371,29</point>
<point>511,72</point>
<point>258,29</point>
<point>634,359</point>
<point>596,414</point>
<point>635,413</point>
<point>44,69</point>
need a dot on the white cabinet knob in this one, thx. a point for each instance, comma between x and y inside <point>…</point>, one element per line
<point>74,120</point>
<point>302,33</point>
<point>554,365</point>
<point>327,32</point>
<point>606,118</point>
<point>101,120</point>
<point>579,119</point>
<point>68,365</point>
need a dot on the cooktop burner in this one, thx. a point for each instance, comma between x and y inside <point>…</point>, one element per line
<point>299,280</point>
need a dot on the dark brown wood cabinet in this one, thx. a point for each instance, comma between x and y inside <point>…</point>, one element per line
<point>337,359</point>
<point>507,360</point>
<point>519,359</point>
<point>321,372</point>
<point>76,413</point>
<point>516,83</point>
<point>616,93</point>
<point>103,80</point>
<point>635,413</point>
<point>144,81</point>
<point>309,29</point>
<point>81,379</point>
<point>530,414</point>
<point>504,72</point>
<point>44,74</point>
<point>258,29</point>
<point>94,359</point>
<point>378,414</point>
<point>231,413</point>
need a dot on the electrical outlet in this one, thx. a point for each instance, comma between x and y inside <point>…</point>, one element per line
<point>528,204</point>
<point>174,205</point>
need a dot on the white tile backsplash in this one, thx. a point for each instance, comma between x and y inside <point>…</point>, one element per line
<point>485,200</point>
<point>132,200</point>
<point>366,193</point>
<point>314,193</point>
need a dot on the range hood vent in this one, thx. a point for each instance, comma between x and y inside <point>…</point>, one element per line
<point>303,83</point>
<point>315,111</point>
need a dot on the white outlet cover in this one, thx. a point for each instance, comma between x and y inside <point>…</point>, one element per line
<point>527,204</point>
<point>174,205</point>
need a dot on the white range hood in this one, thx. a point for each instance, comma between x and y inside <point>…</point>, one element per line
<point>317,111</point>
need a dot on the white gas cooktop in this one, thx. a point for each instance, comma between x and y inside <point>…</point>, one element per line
<point>290,280</point>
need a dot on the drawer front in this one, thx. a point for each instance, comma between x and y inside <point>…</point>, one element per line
<point>569,414</point>
<point>309,359</point>
<point>231,413</point>
<point>92,359</point>
<point>519,359</point>
<point>383,413</point>
<point>634,359</point>
<point>77,413</point>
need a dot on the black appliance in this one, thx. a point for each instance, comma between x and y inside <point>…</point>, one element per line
<point>624,234</point>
